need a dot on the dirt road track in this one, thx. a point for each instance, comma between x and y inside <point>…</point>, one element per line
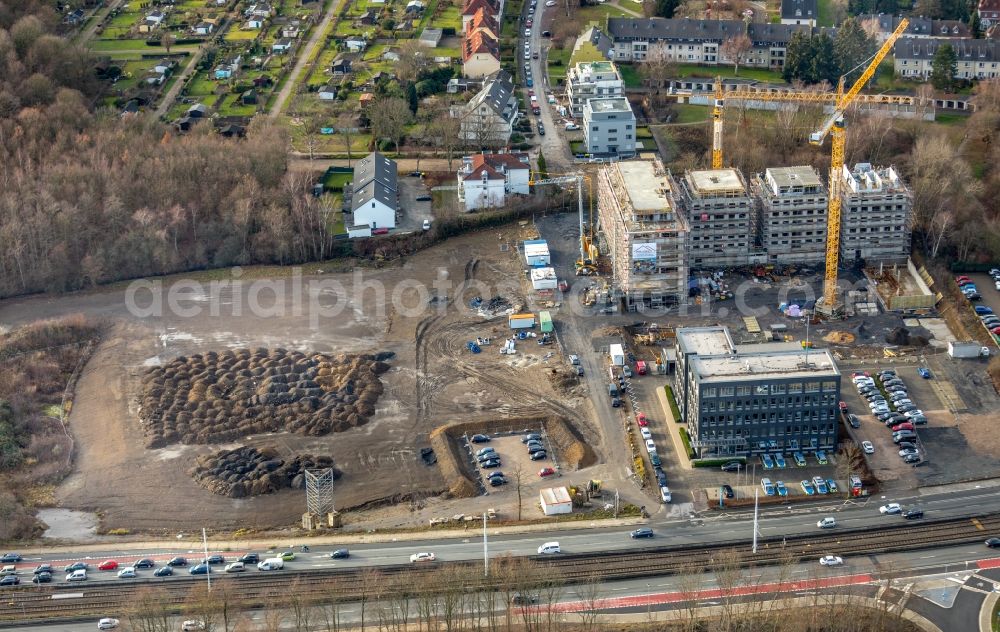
<point>305,55</point>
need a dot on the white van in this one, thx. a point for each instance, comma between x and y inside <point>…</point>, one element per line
<point>78,575</point>
<point>271,564</point>
<point>768,486</point>
<point>548,548</point>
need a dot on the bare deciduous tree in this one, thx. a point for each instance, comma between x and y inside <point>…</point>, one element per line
<point>167,41</point>
<point>735,49</point>
<point>149,611</point>
<point>389,117</point>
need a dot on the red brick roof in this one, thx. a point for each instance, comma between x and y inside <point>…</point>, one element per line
<point>480,42</point>
<point>471,6</point>
<point>483,19</point>
<point>478,171</point>
<point>989,5</point>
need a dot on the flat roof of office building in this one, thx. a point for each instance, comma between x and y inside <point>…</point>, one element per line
<point>705,341</point>
<point>764,366</point>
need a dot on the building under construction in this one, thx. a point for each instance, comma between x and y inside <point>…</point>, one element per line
<point>644,234</point>
<point>791,204</point>
<point>875,215</point>
<point>718,207</point>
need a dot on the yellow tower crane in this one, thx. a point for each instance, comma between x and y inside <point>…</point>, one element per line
<point>834,126</point>
<point>717,103</point>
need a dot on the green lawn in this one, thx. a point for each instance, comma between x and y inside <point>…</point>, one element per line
<point>237,34</point>
<point>586,52</point>
<point>758,74</point>
<point>336,181</point>
<point>557,71</point>
<point>630,75</point>
<point>687,113</point>
<point>451,17</point>
<point>825,13</point>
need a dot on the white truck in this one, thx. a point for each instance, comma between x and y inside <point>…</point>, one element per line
<point>271,564</point>
<point>967,349</point>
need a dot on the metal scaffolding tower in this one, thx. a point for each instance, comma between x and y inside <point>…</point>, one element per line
<point>319,491</point>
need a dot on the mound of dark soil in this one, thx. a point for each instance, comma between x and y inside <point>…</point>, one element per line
<point>248,471</point>
<point>217,397</point>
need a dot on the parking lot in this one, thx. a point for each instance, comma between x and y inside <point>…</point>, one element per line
<point>513,457</point>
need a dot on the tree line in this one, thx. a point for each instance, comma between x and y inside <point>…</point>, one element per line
<point>88,197</point>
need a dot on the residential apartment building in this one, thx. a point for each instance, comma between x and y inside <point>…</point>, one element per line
<point>485,180</point>
<point>975,58</point>
<point>989,13</point>
<point>374,199</point>
<point>719,210</point>
<point>876,211</point>
<point>489,118</point>
<point>698,41</point>
<point>609,126</point>
<point>754,398</point>
<point>799,12</point>
<point>481,45</point>
<point>592,80</point>
<point>471,7</point>
<point>919,27</point>
<point>644,234</point>
<point>791,211</point>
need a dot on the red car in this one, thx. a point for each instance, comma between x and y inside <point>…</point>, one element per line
<point>903,426</point>
<point>546,471</point>
<point>962,280</point>
<point>641,420</point>
<point>843,406</point>
<point>107,565</point>
<point>995,330</point>
<point>380,231</point>
<point>860,374</point>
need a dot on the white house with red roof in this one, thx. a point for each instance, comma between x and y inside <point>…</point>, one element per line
<point>485,180</point>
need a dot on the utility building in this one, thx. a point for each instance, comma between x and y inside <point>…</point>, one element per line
<point>718,209</point>
<point>791,205</point>
<point>876,209</point>
<point>755,398</point>
<point>645,234</point>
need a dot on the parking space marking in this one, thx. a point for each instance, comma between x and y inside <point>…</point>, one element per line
<point>948,396</point>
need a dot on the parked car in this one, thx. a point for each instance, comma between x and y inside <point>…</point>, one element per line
<point>640,419</point>
<point>540,455</point>
<point>767,461</point>
<point>779,460</point>
<point>732,466</point>
<point>490,464</point>
<point>646,434</point>
<point>821,457</point>
<point>531,437</point>
<point>780,487</point>
<point>728,492</point>
<point>820,484</point>
<point>665,493</point>
<point>479,438</point>
<point>546,471</point>
<point>807,487</point>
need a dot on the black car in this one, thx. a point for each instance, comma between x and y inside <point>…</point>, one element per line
<point>76,566</point>
<point>497,481</point>
<point>10,558</point>
<point>531,437</point>
<point>538,456</point>
<point>541,129</point>
<point>163,571</point>
<point>423,198</point>
<point>642,533</point>
<point>479,438</point>
<point>177,561</point>
<point>214,559</point>
<point>249,558</point>
<point>10,580</point>
<point>728,491</point>
<point>340,554</point>
<point>144,563</point>
<point>912,459</point>
<point>490,463</point>
<point>993,543</point>
<point>913,514</point>
<point>42,578</point>
<point>615,402</point>
<point>903,445</point>
<point>489,456</point>
<point>536,448</point>
<point>853,420</point>
<point>496,474</point>
<point>520,599</point>
<point>661,477</point>
<point>43,568</point>
<point>732,466</point>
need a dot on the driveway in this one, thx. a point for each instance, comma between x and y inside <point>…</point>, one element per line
<point>412,213</point>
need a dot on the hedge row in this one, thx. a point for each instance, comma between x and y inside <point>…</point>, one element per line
<point>686,440</point>
<point>714,462</point>
<point>674,410</point>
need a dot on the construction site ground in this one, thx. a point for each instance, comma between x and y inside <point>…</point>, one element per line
<point>435,380</point>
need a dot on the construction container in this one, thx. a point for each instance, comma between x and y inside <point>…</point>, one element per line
<point>543,279</point>
<point>617,353</point>
<point>521,321</point>
<point>536,253</point>
<point>545,322</point>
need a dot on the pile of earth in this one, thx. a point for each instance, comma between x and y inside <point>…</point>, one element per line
<point>901,336</point>
<point>562,380</point>
<point>248,471</point>
<point>219,397</point>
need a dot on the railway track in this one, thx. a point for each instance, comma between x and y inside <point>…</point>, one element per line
<point>64,602</point>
